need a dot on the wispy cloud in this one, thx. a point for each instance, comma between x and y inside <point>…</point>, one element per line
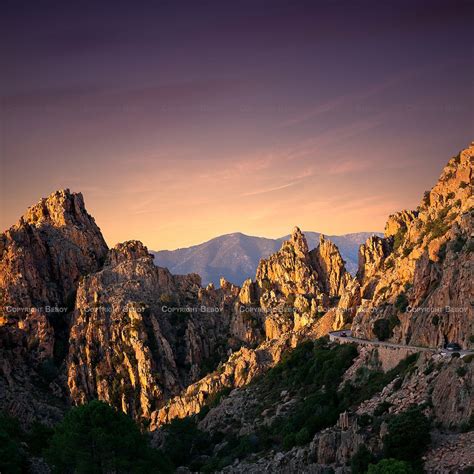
<point>270,190</point>
<point>349,100</point>
<point>349,166</point>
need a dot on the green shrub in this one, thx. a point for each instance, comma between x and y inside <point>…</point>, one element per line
<point>393,322</point>
<point>458,243</point>
<point>48,370</point>
<point>303,436</point>
<point>470,245</point>
<point>38,438</point>
<point>289,441</point>
<point>214,399</point>
<point>364,420</point>
<point>382,329</point>
<point>407,250</point>
<point>361,460</point>
<point>372,381</point>
<point>290,300</point>
<point>408,436</point>
<point>390,466</point>
<point>399,238</point>
<point>401,303</point>
<point>429,368</point>
<point>94,438</point>
<point>12,455</point>
<point>440,225</point>
<point>442,252</point>
<point>382,408</point>
<point>182,438</point>
<point>461,371</point>
<point>315,369</point>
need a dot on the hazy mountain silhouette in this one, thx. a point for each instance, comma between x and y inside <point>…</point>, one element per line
<point>236,256</point>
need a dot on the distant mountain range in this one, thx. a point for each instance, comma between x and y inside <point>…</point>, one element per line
<point>236,256</point>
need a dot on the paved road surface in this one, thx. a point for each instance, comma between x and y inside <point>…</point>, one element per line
<point>336,336</point>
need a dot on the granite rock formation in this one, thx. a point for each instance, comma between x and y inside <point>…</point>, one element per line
<point>42,258</point>
<point>419,277</point>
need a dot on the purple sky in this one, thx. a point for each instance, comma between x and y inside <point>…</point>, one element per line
<point>180,121</point>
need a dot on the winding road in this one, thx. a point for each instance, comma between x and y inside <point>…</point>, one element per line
<point>338,337</point>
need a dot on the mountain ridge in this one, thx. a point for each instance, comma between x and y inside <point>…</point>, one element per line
<point>235,256</point>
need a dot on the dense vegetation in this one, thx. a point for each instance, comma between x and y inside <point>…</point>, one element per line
<point>12,459</point>
<point>312,373</point>
<point>390,466</point>
<point>95,438</point>
<point>92,438</point>
<point>408,436</point>
<point>313,368</point>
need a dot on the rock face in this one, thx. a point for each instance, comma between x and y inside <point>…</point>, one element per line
<point>372,256</point>
<point>281,305</point>
<point>45,253</point>
<point>419,276</point>
<point>295,286</point>
<point>141,335</point>
<point>290,270</point>
<point>42,258</point>
<point>330,267</point>
<point>136,334</point>
<point>27,391</point>
<point>237,371</point>
<point>399,222</point>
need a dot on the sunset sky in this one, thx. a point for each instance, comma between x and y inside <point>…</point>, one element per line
<point>181,121</point>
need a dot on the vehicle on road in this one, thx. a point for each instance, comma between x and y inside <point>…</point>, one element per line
<point>453,346</point>
<point>343,334</point>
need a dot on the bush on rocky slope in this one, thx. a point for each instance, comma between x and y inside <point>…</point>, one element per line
<point>92,438</point>
<point>408,436</point>
<point>390,466</point>
<point>12,454</point>
<point>96,438</point>
<point>307,381</point>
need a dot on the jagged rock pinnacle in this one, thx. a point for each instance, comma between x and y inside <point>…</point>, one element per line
<point>129,250</point>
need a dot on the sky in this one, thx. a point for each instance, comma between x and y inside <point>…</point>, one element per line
<point>181,121</point>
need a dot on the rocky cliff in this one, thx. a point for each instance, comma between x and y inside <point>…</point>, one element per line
<point>296,286</point>
<point>419,277</point>
<point>330,267</point>
<point>141,335</point>
<point>430,382</point>
<point>42,258</point>
<point>285,303</point>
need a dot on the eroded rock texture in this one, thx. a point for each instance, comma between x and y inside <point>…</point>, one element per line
<point>420,276</point>
<point>42,258</point>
